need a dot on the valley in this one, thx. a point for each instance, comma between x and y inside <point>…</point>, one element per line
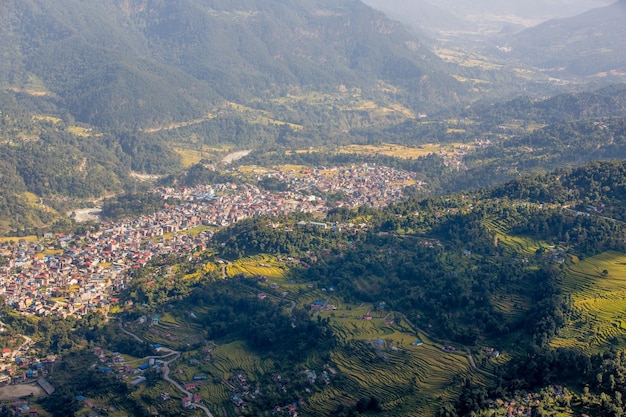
<point>307,208</point>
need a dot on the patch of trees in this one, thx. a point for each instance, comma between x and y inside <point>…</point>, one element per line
<point>72,378</point>
<point>256,235</point>
<point>596,382</point>
<point>363,405</point>
<point>199,174</point>
<point>590,234</point>
<point>606,102</point>
<point>429,284</point>
<point>234,312</point>
<point>133,205</point>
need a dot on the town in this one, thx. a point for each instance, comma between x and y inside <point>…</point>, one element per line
<point>70,275</point>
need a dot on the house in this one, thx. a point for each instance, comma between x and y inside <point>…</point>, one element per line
<point>6,353</point>
<point>262,296</point>
<point>155,320</point>
<point>317,306</point>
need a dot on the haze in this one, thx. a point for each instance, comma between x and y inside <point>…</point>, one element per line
<point>485,16</point>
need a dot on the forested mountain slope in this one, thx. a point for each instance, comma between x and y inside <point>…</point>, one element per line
<point>141,63</point>
<point>592,43</point>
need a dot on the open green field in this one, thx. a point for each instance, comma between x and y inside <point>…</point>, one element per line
<point>261,117</point>
<point>193,154</point>
<point>349,101</point>
<point>597,286</point>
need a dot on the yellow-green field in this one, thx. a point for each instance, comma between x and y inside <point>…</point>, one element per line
<point>33,86</point>
<point>463,59</point>
<point>17,239</point>
<point>389,149</point>
<point>82,131</point>
<point>597,286</point>
<point>375,357</point>
<point>519,244</point>
<point>191,156</point>
<point>350,101</point>
<point>44,118</point>
<point>263,265</point>
<point>261,117</point>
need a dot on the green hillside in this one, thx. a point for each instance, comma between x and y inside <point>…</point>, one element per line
<point>150,63</point>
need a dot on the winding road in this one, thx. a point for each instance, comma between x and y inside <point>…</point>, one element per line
<point>166,368</point>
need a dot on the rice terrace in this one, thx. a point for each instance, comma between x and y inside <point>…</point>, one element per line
<point>597,287</point>
<point>378,352</point>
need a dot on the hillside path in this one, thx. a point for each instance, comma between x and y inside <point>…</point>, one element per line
<point>166,368</point>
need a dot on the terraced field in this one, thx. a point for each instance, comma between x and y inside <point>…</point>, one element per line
<point>263,265</point>
<point>379,358</point>
<point>597,286</point>
<point>518,244</point>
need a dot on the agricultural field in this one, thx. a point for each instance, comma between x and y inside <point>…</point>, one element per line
<point>597,287</point>
<point>44,118</point>
<point>193,154</point>
<point>33,86</point>
<point>464,59</point>
<point>31,239</point>
<point>258,265</point>
<point>393,150</point>
<point>82,132</point>
<point>173,331</point>
<point>380,355</point>
<point>261,117</point>
<point>520,245</point>
<point>349,101</point>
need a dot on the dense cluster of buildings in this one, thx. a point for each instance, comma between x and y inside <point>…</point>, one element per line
<point>72,275</point>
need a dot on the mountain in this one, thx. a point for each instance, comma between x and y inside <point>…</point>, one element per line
<point>147,63</point>
<point>422,15</point>
<point>605,102</point>
<point>444,17</point>
<point>590,44</point>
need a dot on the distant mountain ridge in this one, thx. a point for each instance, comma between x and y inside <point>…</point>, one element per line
<point>593,43</point>
<point>480,15</point>
<point>138,63</point>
